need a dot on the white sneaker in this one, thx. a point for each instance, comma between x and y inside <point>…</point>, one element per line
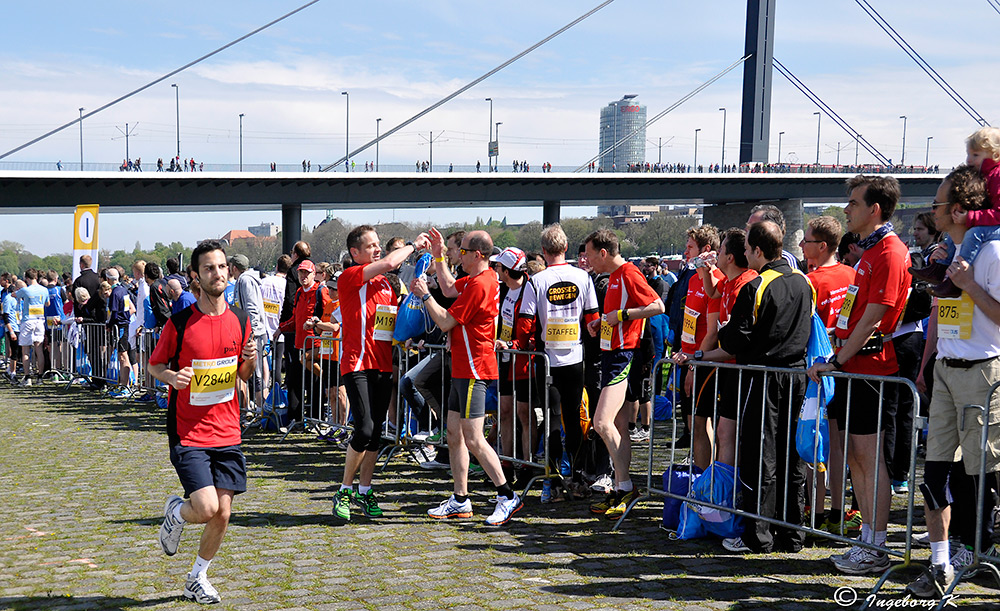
<point>451,509</point>
<point>505,509</point>
<point>932,587</point>
<point>736,545</point>
<point>639,435</point>
<point>200,590</point>
<point>603,485</point>
<point>962,558</point>
<point>434,464</point>
<point>170,530</point>
<point>921,539</point>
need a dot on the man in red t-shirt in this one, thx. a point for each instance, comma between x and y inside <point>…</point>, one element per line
<point>733,263</point>
<point>831,280</point>
<point>200,354</point>
<point>368,311</point>
<point>629,300</point>
<point>700,332</point>
<point>471,325</point>
<point>871,309</point>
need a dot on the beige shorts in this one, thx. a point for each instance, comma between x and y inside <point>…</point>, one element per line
<point>954,388</point>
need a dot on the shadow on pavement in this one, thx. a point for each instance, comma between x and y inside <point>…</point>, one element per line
<point>105,603</point>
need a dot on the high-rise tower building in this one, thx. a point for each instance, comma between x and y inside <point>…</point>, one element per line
<point>619,119</point>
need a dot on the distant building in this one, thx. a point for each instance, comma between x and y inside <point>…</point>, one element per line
<point>624,213</point>
<point>237,234</point>
<point>619,119</point>
<point>264,230</point>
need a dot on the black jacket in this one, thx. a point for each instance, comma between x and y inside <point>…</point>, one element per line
<point>96,307</point>
<point>778,334</point>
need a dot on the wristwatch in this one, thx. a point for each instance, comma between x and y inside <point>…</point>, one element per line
<point>425,297</point>
<point>699,354</point>
<point>836,363</point>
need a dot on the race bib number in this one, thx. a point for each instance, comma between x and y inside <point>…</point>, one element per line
<point>506,332</point>
<point>955,317</point>
<point>563,332</point>
<point>327,345</point>
<point>213,381</point>
<point>690,328</point>
<point>128,303</point>
<point>272,308</point>
<point>36,311</point>
<point>385,323</point>
<point>848,305</point>
<point>606,332</point>
<point>52,322</point>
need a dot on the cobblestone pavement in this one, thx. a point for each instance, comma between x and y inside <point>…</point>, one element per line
<point>85,479</point>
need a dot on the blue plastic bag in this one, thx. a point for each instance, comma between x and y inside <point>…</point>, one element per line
<point>812,434</point>
<point>716,486</point>
<point>676,480</point>
<point>412,318</point>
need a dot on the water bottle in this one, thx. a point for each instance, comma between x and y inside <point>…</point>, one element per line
<point>546,490</point>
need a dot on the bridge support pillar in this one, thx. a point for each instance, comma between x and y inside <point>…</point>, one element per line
<point>291,226</point>
<point>736,214</point>
<point>550,212</point>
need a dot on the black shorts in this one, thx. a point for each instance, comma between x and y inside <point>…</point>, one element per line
<point>225,468</point>
<point>704,391</point>
<point>119,339</point>
<point>468,397</point>
<point>615,366</point>
<point>729,389</point>
<point>864,405</point>
<point>368,394</point>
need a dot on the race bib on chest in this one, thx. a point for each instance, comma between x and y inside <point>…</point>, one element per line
<point>690,328</point>
<point>327,344</point>
<point>385,323</point>
<point>955,317</point>
<point>564,332</point>
<point>606,332</point>
<point>506,332</point>
<point>213,381</point>
<point>848,305</point>
<point>271,308</point>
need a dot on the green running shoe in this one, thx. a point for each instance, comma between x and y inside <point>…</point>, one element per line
<point>342,504</point>
<point>369,506</point>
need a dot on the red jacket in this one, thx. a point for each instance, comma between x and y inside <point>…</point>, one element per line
<point>303,305</point>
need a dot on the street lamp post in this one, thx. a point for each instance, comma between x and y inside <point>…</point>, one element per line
<point>723,139</point>
<point>347,133</point>
<point>819,118</point>
<point>81,139</point>
<point>377,121</point>
<point>902,153</point>
<point>177,99</point>
<point>927,155</point>
<point>241,142</point>
<point>499,123</point>
<point>489,158</point>
<point>780,134</point>
<point>695,166</point>
<point>856,140</point>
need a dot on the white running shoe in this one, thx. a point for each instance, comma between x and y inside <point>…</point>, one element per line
<point>200,590</point>
<point>505,509</point>
<point>170,530</point>
<point>451,509</point>
<point>862,561</point>
<point>603,485</point>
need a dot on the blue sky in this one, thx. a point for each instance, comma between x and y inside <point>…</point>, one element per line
<point>398,57</point>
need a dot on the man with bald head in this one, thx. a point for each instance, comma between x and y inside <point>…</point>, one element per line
<point>471,324</point>
<point>769,325</point>
<point>179,298</point>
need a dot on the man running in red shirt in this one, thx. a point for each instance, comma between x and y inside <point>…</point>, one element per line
<point>629,300</point>
<point>201,352</point>
<point>368,308</point>
<point>471,324</point>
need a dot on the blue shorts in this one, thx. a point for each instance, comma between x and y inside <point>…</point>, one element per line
<point>615,366</point>
<point>225,468</point>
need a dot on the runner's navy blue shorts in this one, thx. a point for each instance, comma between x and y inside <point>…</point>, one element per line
<point>615,366</point>
<point>224,468</point>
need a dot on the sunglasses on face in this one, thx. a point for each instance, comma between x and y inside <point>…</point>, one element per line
<point>465,251</point>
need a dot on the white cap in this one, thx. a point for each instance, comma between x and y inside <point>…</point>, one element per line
<point>511,258</point>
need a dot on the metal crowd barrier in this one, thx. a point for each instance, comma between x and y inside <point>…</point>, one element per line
<point>145,342</point>
<point>404,437</point>
<point>97,360</point>
<point>980,561</point>
<point>319,386</point>
<point>790,455</point>
<point>61,359</point>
